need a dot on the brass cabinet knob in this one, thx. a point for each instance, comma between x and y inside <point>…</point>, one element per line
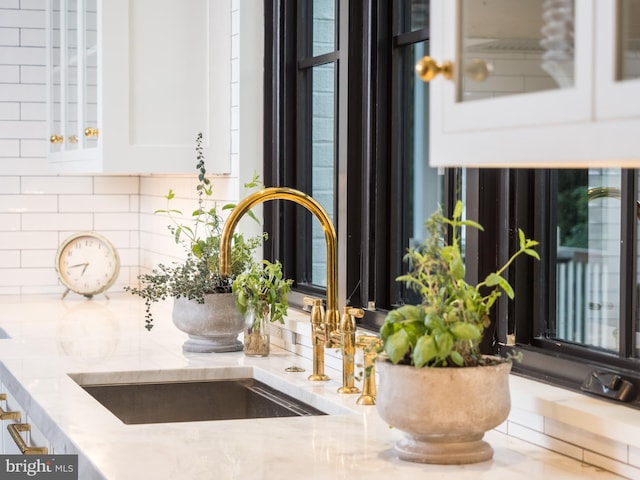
<point>427,69</point>
<point>73,139</point>
<point>90,132</point>
<point>477,70</point>
<point>55,138</point>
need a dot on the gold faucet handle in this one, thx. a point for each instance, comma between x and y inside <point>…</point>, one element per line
<point>312,301</point>
<point>370,345</point>
<point>354,312</point>
<point>347,322</point>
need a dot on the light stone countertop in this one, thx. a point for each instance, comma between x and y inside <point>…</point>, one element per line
<point>100,341</point>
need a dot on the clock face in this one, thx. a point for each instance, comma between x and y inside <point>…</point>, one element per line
<point>87,263</point>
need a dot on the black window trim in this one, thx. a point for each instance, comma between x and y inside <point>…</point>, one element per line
<point>516,192</point>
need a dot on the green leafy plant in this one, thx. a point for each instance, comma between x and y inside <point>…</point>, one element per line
<point>199,274</point>
<point>445,330</point>
<point>263,288</point>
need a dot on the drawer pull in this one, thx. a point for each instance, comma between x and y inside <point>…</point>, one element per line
<point>7,415</point>
<point>14,431</point>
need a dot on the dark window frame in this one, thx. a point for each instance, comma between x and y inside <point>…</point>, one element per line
<point>517,193</point>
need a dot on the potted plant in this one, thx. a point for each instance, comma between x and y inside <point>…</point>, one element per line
<point>261,296</point>
<point>435,384</point>
<point>204,306</point>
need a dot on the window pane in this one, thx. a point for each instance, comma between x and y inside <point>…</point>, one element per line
<point>426,188</point>
<point>588,257</point>
<point>525,45</point>
<point>90,71</point>
<point>71,128</point>
<point>630,39</point>
<point>324,24</point>
<point>423,190</point>
<point>56,77</point>
<point>322,159</point>
<point>414,15</point>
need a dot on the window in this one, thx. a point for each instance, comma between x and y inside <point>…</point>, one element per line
<point>350,123</point>
<point>585,296</point>
<point>347,122</point>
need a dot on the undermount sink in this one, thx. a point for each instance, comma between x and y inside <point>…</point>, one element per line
<point>190,401</point>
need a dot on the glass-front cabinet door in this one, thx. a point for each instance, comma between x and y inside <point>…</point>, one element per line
<point>73,63</point>
<point>618,74</point>
<point>513,61</point>
<point>90,74</point>
<point>534,83</point>
<point>55,98</point>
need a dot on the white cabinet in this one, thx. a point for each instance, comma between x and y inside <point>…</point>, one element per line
<point>31,436</point>
<point>562,88</point>
<point>132,82</point>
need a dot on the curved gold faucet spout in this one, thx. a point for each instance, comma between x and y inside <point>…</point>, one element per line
<point>296,196</point>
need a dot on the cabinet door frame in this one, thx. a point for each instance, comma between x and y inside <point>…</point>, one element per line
<point>121,148</point>
<point>612,96</point>
<point>542,108</point>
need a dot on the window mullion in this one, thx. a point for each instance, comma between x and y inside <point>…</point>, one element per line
<point>628,263</point>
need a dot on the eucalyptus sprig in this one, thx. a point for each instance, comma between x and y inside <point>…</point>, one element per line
<point>199,274</point>
<point>446,328</point>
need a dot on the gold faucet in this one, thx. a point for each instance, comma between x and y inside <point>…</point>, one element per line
<point>323,333</point>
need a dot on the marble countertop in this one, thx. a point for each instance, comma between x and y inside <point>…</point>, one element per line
<point>57,343</point>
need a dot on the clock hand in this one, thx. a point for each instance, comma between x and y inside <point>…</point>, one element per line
<point>85,268</point>
<point>79,265</point>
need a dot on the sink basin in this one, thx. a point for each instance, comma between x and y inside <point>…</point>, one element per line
<point>190,401</point>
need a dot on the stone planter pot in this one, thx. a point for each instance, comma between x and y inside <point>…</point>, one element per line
<point>212,326</point>
<point>443,412</point>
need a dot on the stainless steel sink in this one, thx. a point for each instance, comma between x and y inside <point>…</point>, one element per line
<point>191,401</point>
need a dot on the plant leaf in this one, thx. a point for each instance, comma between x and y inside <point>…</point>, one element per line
<point>471,223</point>
<point>397,346</point>
<point>424,352</point>
<point>457,358</point>
<point>465,331</point>
<point>492,280</point>
<point>457,211</point>
<point>532,253</point>
<point>507,288</point>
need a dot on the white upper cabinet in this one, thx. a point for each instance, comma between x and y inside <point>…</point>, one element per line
<point>132,82</point>
<point>535,83</point>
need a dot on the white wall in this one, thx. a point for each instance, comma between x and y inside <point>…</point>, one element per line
<point>38,211</point>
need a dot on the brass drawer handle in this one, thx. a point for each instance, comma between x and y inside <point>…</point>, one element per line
<point>14,431</point>
<point>7,415</point>
<point>55,138</point>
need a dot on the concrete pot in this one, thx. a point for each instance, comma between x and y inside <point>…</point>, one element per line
<point>212,326</point>
<point>443,412</point>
